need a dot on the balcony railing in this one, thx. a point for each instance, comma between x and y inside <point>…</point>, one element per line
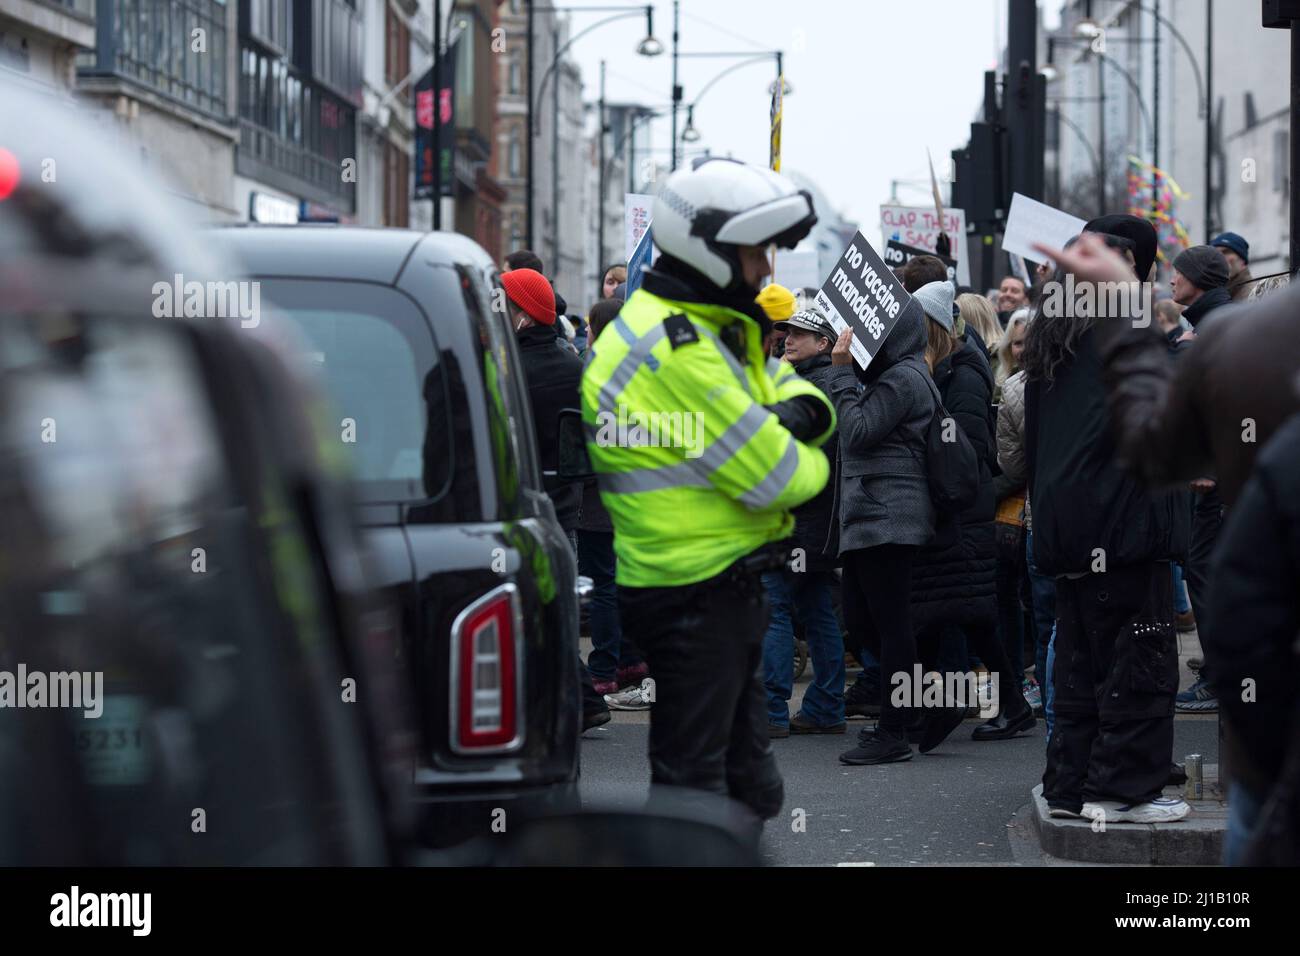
<point>267,156</point>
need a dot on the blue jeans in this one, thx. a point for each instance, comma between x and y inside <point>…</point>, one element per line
<point>810,594</point>
<point>1049,691</point>
<point>1181,603</point>
<point>609,651</point>
<point>1243,814</point>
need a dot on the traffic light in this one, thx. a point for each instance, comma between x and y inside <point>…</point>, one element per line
<point>979,175</point>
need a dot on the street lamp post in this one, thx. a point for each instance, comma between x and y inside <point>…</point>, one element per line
<point>647,47</point>
<point>691,134</point>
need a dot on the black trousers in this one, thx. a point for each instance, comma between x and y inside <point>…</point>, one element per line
<point>1207,519</point>
<point>708,724</point>
<point>876,592</point>
<point>1115,679</point>
<point>983,639</point>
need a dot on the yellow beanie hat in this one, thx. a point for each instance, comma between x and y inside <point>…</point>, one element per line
<point>777,301</point>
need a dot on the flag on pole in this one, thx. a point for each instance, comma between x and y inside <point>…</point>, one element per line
<point>774,156</point>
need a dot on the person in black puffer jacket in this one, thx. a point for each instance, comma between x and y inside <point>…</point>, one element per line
<point>808,588</point>
<point>954,579</point>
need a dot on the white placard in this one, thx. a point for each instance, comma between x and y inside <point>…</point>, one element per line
<point>1030,221</point>
<point>637,210</point>
<point>797,269</point>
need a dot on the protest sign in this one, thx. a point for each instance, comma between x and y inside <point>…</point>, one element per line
<point>862,294</point>
<point>637,210</point>
<point>1030,221</point>
<point>898,255</point>
<point>918,226</point>
<point>639,260</point>
<point>797,269</point>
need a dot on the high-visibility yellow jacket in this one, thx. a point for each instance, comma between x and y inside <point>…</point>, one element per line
<point>694,471</point>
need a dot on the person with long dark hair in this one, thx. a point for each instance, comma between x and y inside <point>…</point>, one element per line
<point>1108,542</point>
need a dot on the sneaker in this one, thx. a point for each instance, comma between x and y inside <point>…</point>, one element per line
<point>1159,810</point>
<point>604,687</point>
<point>939,723</point>
<point>631,698</point>
<point>1033,696</point>
<point>862,699</point>
<point>1197,699</point>
<point>777,731</point>
<point>877,746</point>
<point>1063,813</point>
<point>1185,621</point>
<point>799,724</point>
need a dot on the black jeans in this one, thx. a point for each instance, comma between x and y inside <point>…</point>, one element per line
<point>609,649</point>
<point>983,640</point>
<point>1115,679</point>
<point>708,725</point>
<point>876,591</point>
<point>1207,519</point>
<point>1011,616</point>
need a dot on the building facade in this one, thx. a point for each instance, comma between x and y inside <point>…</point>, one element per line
<point>1246,177</point>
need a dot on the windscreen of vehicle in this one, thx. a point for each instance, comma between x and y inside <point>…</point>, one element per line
<point>376,352</point>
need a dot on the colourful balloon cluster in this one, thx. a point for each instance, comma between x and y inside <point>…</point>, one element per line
<point>1172,234</point>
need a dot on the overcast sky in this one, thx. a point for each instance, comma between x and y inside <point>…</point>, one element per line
<point>875,82</point>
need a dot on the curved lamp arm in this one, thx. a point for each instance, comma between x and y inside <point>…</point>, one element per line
<point>1196,66</point>
<point>537,98</point>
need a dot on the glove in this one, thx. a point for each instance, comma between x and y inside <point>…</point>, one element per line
<point>803,416</point>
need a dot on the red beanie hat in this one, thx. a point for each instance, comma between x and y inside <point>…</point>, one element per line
<point>528,289</point>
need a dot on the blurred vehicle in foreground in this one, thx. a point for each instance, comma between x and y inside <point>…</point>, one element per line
<point>425,381</point>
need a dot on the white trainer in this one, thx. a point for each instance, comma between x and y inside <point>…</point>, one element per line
<point>1159,810</point>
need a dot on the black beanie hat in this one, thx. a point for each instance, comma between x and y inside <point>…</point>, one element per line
<point>1137,231</point>
<point>1204,267</point>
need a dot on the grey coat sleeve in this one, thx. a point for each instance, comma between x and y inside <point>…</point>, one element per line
<point>867,416</point>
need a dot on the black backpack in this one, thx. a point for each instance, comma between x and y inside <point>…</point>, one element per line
<point>952,465</point>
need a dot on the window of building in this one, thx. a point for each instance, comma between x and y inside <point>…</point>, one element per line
<point>513,160</point>
<point>513,75</point>
<point>397,49</point>
<point>175,47</point>
<point>397,187</point>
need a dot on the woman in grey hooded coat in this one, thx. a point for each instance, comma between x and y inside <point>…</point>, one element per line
<point>884,505</point>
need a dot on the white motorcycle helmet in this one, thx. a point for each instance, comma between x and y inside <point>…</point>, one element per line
<point>703,214</point>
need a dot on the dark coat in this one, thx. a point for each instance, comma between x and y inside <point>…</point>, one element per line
<point>884,492</point>
<point>1255,614</point>
<point>1207,303</point>
<point>554,377</point>
<point>1083,498</point>
<point>1176,421</point>
<point>813,531</point>
<point>955,579</point>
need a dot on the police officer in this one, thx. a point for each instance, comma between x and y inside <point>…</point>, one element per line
<point>702,446</point>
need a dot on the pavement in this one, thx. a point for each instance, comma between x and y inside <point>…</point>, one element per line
<point>964,804</point>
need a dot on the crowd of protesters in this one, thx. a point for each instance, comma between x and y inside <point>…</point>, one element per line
<point>1118,504</point>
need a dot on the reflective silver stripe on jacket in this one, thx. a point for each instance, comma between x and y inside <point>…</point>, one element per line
<point>770,488</point>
